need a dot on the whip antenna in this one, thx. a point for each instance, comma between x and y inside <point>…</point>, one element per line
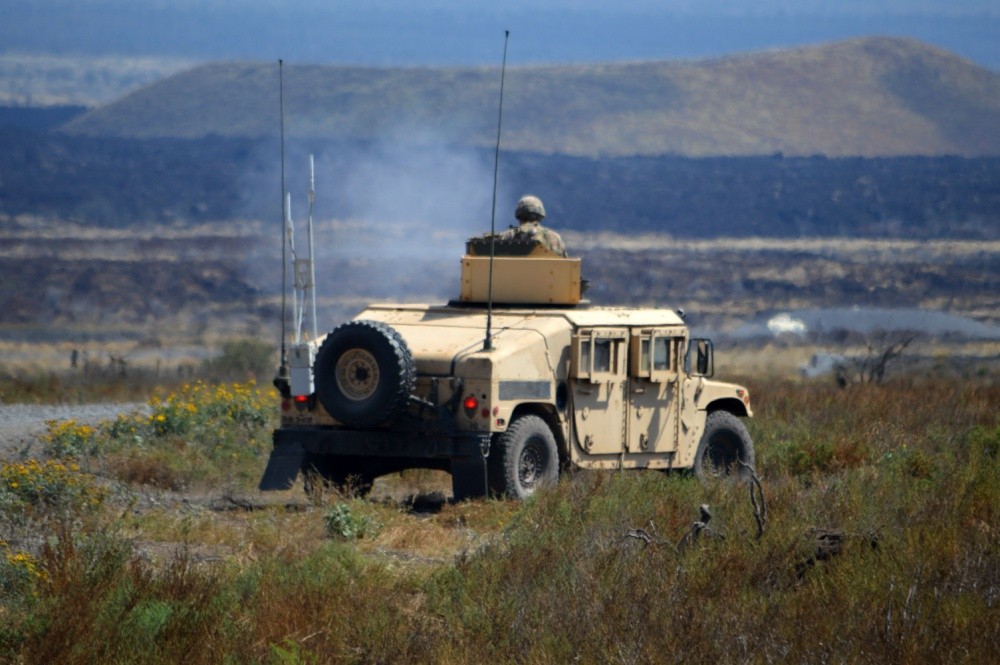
<point>312,258</point>
<point>488,343</point>
<point>283,369</point>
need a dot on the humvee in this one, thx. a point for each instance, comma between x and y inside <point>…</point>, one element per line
<point>515,380</point>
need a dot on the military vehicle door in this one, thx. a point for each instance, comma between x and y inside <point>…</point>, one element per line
<point>598,389</point>
<point>654,374</point>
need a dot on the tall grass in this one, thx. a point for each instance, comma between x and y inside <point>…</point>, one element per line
<point>881,545</point>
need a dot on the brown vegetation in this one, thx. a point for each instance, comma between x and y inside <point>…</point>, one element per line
<point>883,507</point>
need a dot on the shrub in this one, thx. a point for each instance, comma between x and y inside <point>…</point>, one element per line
<point>69,439</point>
<point>984,440</point>
<point>224,418</point>
<point>195,431</point>
<point>21,580</point>
<point>343,521</point>
<point>819,455</point>
<point>20,575</point>
<point>50,484</point>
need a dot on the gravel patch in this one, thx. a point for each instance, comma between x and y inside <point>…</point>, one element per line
<point>22,424</point>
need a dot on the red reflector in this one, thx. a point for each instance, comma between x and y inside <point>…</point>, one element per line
<point>301,398</point>
<point>285,405</point>
<point>471,403</point>
<point>485,413</point>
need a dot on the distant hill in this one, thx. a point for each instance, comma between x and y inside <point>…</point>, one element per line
<point>78,80</point>
<point>864,97</point>
<point>121,182</point>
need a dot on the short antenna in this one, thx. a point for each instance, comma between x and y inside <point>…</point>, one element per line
<point>488,342</point>
<point>283,369</point>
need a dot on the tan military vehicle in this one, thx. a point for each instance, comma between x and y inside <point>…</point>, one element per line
<point>505,392</point>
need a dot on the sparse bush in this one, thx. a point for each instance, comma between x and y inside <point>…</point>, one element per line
<point>346,522</point>
<point>820,455</point>
<point>985,440</point>
<point>20,575</point>
<point>224,418</point>
<point>880,350</point>
<point>914,463</point>
<point>21,581</point>
<point>52,484</point>
<point>196,431</point>
<point>69,439</point>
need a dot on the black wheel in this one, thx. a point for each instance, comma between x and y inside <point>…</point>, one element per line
<point>723,446</point>
<point>340,474</point>
<point>364,373</point>
<point>523,458</point>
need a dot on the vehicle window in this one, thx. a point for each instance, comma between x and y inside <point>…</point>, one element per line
<point>661,353</point>
<point>602,355</point>
<point>585,357</point>
<point>644,354</point>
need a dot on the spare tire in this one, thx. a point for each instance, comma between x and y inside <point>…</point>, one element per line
<point>364,373</point>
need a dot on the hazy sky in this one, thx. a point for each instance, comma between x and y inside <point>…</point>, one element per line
<point>469,32</point>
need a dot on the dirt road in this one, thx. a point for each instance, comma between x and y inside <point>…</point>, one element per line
<point>22,424</point>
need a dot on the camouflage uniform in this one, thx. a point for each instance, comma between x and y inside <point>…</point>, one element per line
<point>535,231</point>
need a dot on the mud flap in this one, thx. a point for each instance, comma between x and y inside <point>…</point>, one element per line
<point>468,473</point>
<point>282,468</point>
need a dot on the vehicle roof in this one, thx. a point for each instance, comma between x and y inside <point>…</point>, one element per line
<point>579,317</point>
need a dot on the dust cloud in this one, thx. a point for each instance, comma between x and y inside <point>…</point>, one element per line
<point>390,218</point>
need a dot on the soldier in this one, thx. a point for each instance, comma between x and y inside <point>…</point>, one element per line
<point>529,213</point>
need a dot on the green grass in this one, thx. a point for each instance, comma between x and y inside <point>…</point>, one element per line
<point>880,546</point>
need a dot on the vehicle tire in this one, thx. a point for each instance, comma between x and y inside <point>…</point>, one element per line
<point>321,474</point>
<point>523,458</point>
<point>724,443</point>
<point>364,373</point>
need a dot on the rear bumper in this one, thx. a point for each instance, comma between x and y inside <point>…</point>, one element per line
<point>464,453</point>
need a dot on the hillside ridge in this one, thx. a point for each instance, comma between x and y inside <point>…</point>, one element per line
<point>869,97</point>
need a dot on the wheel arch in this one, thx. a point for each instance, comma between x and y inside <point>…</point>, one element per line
<point>730,404</point>
<point>548,413</point>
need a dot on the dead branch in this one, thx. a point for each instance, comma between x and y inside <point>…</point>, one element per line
<point>647,537</point>
<point>699,527</point>
<point>756,498</point>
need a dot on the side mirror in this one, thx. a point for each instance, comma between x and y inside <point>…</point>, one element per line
<point>704,358</point>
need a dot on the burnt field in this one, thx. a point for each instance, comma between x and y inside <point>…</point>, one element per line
<point>733,278</point>
<point>227,277</point>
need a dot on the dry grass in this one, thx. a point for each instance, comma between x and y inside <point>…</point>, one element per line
<point>880,546</point>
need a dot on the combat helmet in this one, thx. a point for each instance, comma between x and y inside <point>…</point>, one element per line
<point>529,209</point>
